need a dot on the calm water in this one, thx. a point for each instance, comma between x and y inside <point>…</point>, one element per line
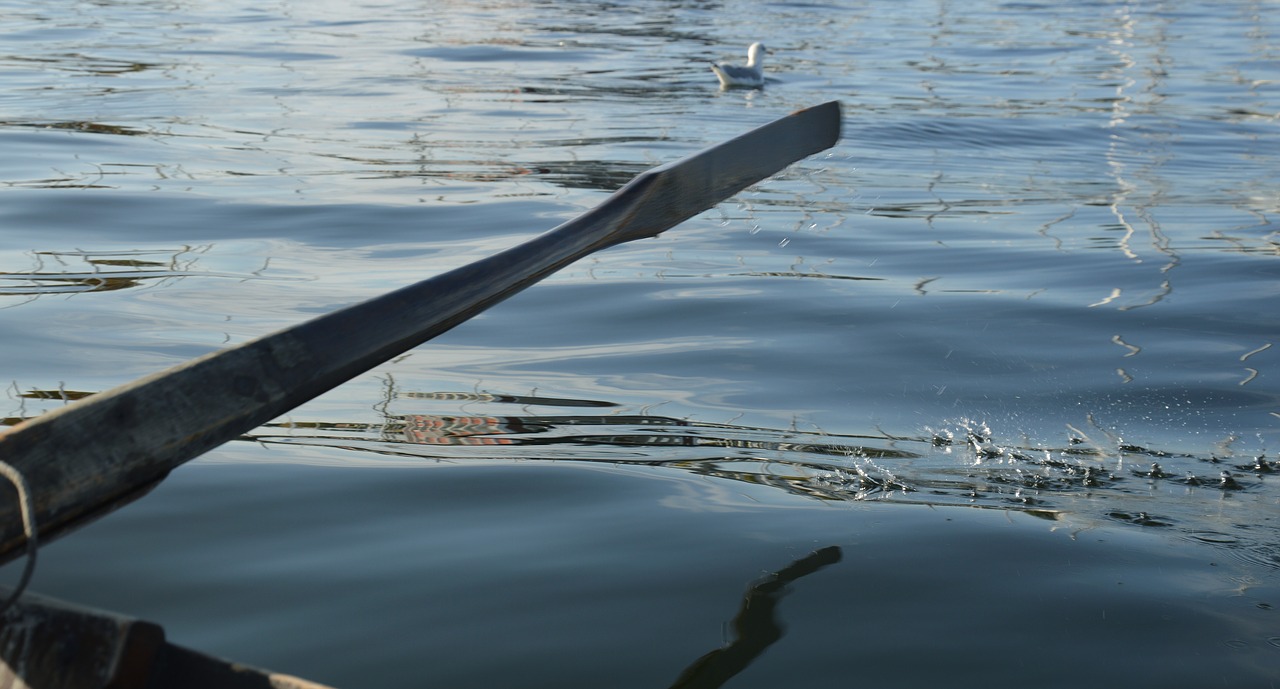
<point>888,418</point>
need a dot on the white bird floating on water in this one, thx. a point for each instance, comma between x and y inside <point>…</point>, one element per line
<point>752,75</point>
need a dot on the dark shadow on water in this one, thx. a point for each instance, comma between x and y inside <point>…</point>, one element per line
<point>756,626</point>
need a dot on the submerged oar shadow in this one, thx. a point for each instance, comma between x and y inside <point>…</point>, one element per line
<point>755,627</point>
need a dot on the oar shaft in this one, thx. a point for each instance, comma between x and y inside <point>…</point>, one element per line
<point>90,456</point>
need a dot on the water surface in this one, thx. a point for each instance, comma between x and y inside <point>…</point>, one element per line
<point>997,347</point>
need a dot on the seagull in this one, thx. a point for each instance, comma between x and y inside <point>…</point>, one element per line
<point>752,75</point>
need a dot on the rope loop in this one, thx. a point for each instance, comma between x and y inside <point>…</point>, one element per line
<point>28,527</point>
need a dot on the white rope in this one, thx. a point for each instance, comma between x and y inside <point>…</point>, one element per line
<point>28,526</point>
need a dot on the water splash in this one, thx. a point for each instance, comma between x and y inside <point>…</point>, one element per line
<point>1091,478</point>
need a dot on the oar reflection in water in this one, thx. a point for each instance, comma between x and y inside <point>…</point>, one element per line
<point>755,626</point>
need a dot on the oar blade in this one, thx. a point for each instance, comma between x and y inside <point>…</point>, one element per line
<point>676,191</point>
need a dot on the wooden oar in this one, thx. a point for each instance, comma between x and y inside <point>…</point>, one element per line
<point>87,458</point>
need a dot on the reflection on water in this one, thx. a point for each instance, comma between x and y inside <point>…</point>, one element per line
<point>1093,473</point>
<point>755,627</point>
<point>87,127</point>
<point>75,272</point>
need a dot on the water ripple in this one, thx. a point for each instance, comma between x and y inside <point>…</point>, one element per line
<point>108,271</point>
<point>958,463</point>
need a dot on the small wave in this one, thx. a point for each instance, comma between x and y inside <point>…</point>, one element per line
<point>75,272</point>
